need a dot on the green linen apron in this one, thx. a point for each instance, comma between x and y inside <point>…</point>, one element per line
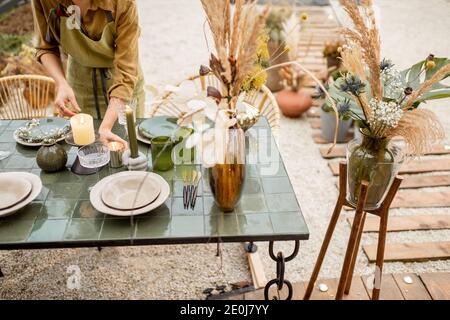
<point>90,66</point>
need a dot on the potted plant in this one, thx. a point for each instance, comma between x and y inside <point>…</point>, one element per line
<point>274,26</point>
<point>292,100</point>
<point>328,121</point>
<point>332,52</point>
<point>386,103</point>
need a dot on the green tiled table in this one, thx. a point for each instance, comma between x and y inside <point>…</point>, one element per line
<point>62,216</point>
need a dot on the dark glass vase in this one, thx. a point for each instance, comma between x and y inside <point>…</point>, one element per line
<point>227,178</point>
<point>375,160</point>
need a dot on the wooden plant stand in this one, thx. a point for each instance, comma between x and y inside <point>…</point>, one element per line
<point>348,267</point>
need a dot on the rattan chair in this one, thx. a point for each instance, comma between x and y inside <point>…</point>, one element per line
<point>263,100</point>
<point>26,97</point>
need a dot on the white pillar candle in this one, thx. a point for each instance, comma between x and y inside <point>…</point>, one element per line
<point>83,129</point>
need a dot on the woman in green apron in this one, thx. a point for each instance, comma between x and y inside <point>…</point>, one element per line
<point>100,38</point>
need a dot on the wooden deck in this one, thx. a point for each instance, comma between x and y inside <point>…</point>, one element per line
<point>427,286</point>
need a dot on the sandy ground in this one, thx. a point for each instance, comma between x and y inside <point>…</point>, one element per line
<point>172,48</point>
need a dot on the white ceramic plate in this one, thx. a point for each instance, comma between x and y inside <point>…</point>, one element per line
<point>98,204</point>
<point>36,187</point>
<point>13,190</point>
<point>142,138</point>
<point>131,192</point>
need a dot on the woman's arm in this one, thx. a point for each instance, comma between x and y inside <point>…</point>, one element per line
<point>126,66</point>
<point>48,54</point>
<point>111,115</point>
<point>65,94</point>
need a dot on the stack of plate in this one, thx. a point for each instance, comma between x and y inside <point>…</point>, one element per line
<point>129,193</point>
<point>17,189</point>
<point>161,126</point>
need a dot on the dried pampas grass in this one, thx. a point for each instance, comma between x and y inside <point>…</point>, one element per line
<point>421,129</point>
<point>365,36</point>
<point>236,41</point>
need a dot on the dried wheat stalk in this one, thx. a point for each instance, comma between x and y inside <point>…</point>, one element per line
<point>236,42</point>
<point>366,36</point>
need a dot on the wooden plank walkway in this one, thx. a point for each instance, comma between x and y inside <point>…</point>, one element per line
<point>427,286</point>
<point>408,223</point>
<point>340,151</point>
<point>415,166</point>
<point>411,252</point>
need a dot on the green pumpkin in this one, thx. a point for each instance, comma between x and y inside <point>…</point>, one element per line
<point>51,157</point>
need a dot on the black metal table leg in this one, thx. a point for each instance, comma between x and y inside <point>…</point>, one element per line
<point>280,281</point>
<point>1,273</point>
<point>250,247</point>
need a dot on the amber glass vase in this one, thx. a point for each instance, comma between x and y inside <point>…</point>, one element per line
<point>227,178</point>
<point>376,160</point>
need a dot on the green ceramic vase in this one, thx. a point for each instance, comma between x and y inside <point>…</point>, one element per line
<point>51,157</point>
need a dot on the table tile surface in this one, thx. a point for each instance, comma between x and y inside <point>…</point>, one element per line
<point>62,215</point>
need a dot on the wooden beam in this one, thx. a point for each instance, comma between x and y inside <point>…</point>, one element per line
<point>341,151</point>
<point>412,252</point>
<point>408,223</point>
<point>420,199</point>
<point>257,270</point>
<point>317,137</point>
<point>389,288</point>
<point>411,291</point>
<point>437,284</point>
<point>416,166</point>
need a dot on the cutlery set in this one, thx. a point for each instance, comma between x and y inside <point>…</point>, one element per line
<point>190,188</point>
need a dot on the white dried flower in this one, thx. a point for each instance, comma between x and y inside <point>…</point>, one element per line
<point>392,83</point>
<point>384,114</point>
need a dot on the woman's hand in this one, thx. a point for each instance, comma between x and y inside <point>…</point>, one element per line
<point>64,97</point>
<point>106,136</point>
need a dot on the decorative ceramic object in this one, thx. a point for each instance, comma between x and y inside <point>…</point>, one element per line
<point>37,130</point>
<point>293,104</point>
<point>372,159</point>
<point>51,157</point>
<point>227,179</point>
<point>247,117</point>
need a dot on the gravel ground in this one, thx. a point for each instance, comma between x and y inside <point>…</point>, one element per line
<point>172,48</point>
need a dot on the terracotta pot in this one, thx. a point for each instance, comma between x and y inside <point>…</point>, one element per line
<point>293,104</point>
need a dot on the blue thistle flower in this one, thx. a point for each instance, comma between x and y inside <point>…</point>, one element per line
<point>386,64</point>
<point>353,85</point>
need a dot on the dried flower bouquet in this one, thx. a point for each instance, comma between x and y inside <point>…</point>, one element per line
<point>385,102</point>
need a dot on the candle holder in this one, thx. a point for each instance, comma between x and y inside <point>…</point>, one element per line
<point>116,149</point>
<point>77,168</point>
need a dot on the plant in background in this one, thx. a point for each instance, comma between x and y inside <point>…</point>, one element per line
<point>275,23</point>
<point>292,27</point>
<point>385,103</point>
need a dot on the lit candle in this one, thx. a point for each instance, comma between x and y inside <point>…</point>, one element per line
<point>83,129</point>
<point>131,128</point>
<point>116,150</point>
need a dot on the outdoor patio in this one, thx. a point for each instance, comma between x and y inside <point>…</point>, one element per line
<point>172,47</point>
